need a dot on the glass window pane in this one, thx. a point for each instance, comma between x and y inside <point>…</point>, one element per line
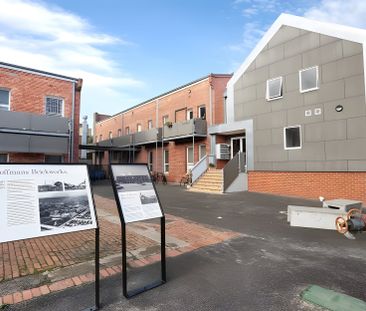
<point>190,154</point>
<point>308,79</point>
<point>274,88</point>
<point>293,139</point>
<point>202,112</point>
<point>53,159</point>
<point>3,158</point>
<point>202,151</point>
<point>4,100</point>
<point>54,106</point>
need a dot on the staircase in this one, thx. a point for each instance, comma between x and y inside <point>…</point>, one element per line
<point>210,182</point>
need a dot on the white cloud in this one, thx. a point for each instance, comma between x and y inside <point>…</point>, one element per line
<point>350,12</point>
<point>36,35</point>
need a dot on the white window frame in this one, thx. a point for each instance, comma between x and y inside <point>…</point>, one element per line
<point>317,79</point>
<point>165,119</point>
<point>119,132</point>
<point>199,111</point>
<point>7,156</point>
<point>281,89</point>
<point>110,135</point>
<point>149,124</point>
<point>127,130</point>
<point>284,137</point>
<point>7,90</point>
<point>166,163</point>
<point>189,111</point>
<point>62,108</point>
<point>138,128</point>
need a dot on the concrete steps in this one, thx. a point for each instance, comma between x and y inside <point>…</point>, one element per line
<point>210,182</point>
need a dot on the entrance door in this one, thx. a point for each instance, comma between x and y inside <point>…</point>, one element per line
<point>190,159</point>
<point>237,144</point>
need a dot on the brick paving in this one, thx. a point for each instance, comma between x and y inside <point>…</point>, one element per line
<point>26,257</point>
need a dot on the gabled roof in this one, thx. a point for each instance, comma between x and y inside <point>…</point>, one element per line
<point>329,29</point>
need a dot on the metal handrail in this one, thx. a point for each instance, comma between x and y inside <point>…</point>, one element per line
<point>199,168</point>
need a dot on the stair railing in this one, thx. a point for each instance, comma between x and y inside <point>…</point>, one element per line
<point>232,169</point>
<point>199,168</point>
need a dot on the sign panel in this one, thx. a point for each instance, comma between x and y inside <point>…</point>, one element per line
<point>40,200</point>
<point>136,193</point>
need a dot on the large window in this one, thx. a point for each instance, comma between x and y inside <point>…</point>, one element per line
<point>309,79</point>
<point>4,100</point>
<point>53,158</point>
<point>274,89</point>
<point>3,158</point>
<point>54,106</point>
<point>292,137</point>
<point>166,161</point>
<point>202,112</point>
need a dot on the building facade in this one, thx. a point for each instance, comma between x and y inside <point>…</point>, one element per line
<point>168,132</point>
<point>298,102</point>
<point>39,115</point>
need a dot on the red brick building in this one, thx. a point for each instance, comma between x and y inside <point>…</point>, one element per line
<point>169,131</point>
<point>39,115</point>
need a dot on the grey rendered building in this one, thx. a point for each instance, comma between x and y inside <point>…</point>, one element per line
<point>297,103</point>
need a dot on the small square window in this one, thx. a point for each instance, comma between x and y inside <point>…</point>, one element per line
<point>292,137</point>
<point>54,106</point>
<point>4,99</point>
<point>274,89</point>
<point>309,79</point>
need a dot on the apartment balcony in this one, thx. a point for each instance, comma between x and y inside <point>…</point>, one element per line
<point>31,133</point>
<point>147,137</point>
<point>119,142</point>
<point>185,130</point>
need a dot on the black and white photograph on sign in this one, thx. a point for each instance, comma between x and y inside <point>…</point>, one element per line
<point>136,193</point>
<point>42,199</point>
<point>64,211</point>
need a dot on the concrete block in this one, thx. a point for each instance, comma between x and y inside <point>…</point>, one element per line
<point>313,217</point>
<point>291,82</point>
<point>357,166</point>
<point>285,33</point>
<point>308,152</point>
<point>323,54</point>
<point>261,90</point>
<point>313,132</point>
<point>289,100</point>
<point>269,56</point>
<point>256,76</point>
<point>297,115</point>
<point>277,136</point>
<point>354,149</point>
<point>335,130</point>
<point>342,68</point>
<point>352,107</point>
<point>354,86</point>
<point>356,128</point>
<point>327,92</point>
<point>271,153</point>
<point>251,66</point>
<point>262,137</point>
<point>256,107</point>
<point>351,48</point>
<point>271,120</point>
<point>327,39</point>
<point>286,66</point>
<point>263,166</point>
<point>326,166</point>
<point>342,205</point>
<point>289,166</point>
<point>301,44</point>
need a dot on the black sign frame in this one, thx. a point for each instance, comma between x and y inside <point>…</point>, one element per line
<point>96,305</point>
<point>163,279</point>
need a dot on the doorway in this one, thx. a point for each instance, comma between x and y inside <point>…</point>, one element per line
<point>237,144</point>
<point>190,158</point>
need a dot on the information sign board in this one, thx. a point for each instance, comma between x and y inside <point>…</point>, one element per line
<point>136,193</point>
<point>44,199</point>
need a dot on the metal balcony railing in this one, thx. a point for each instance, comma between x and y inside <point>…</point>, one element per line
<point>147,137</point>
<point>189,128</point>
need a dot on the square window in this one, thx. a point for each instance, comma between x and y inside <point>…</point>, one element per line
<point>309,79</point>
<point>274,89</point>
<point>292,137</point>
<point>4,99</point>
<point>54,106</point>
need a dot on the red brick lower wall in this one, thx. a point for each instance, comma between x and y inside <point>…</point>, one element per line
<point>330,185</point>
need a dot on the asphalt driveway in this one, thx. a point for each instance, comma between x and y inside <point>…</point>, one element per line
<point>266,268</point>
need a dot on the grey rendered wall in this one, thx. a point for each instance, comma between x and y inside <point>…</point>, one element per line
<point>332,141</point>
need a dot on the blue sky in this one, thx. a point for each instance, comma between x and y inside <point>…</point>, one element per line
<point>130,51</point>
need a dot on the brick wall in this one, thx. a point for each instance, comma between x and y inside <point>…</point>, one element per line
<point>27,94</point>
<point>331,185</point>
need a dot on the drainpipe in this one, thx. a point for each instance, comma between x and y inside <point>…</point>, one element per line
<point>212,147</point>
<point>71,157</point>
<point>157,132</point>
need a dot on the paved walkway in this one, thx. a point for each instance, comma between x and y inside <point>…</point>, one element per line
<point>45,255</point>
